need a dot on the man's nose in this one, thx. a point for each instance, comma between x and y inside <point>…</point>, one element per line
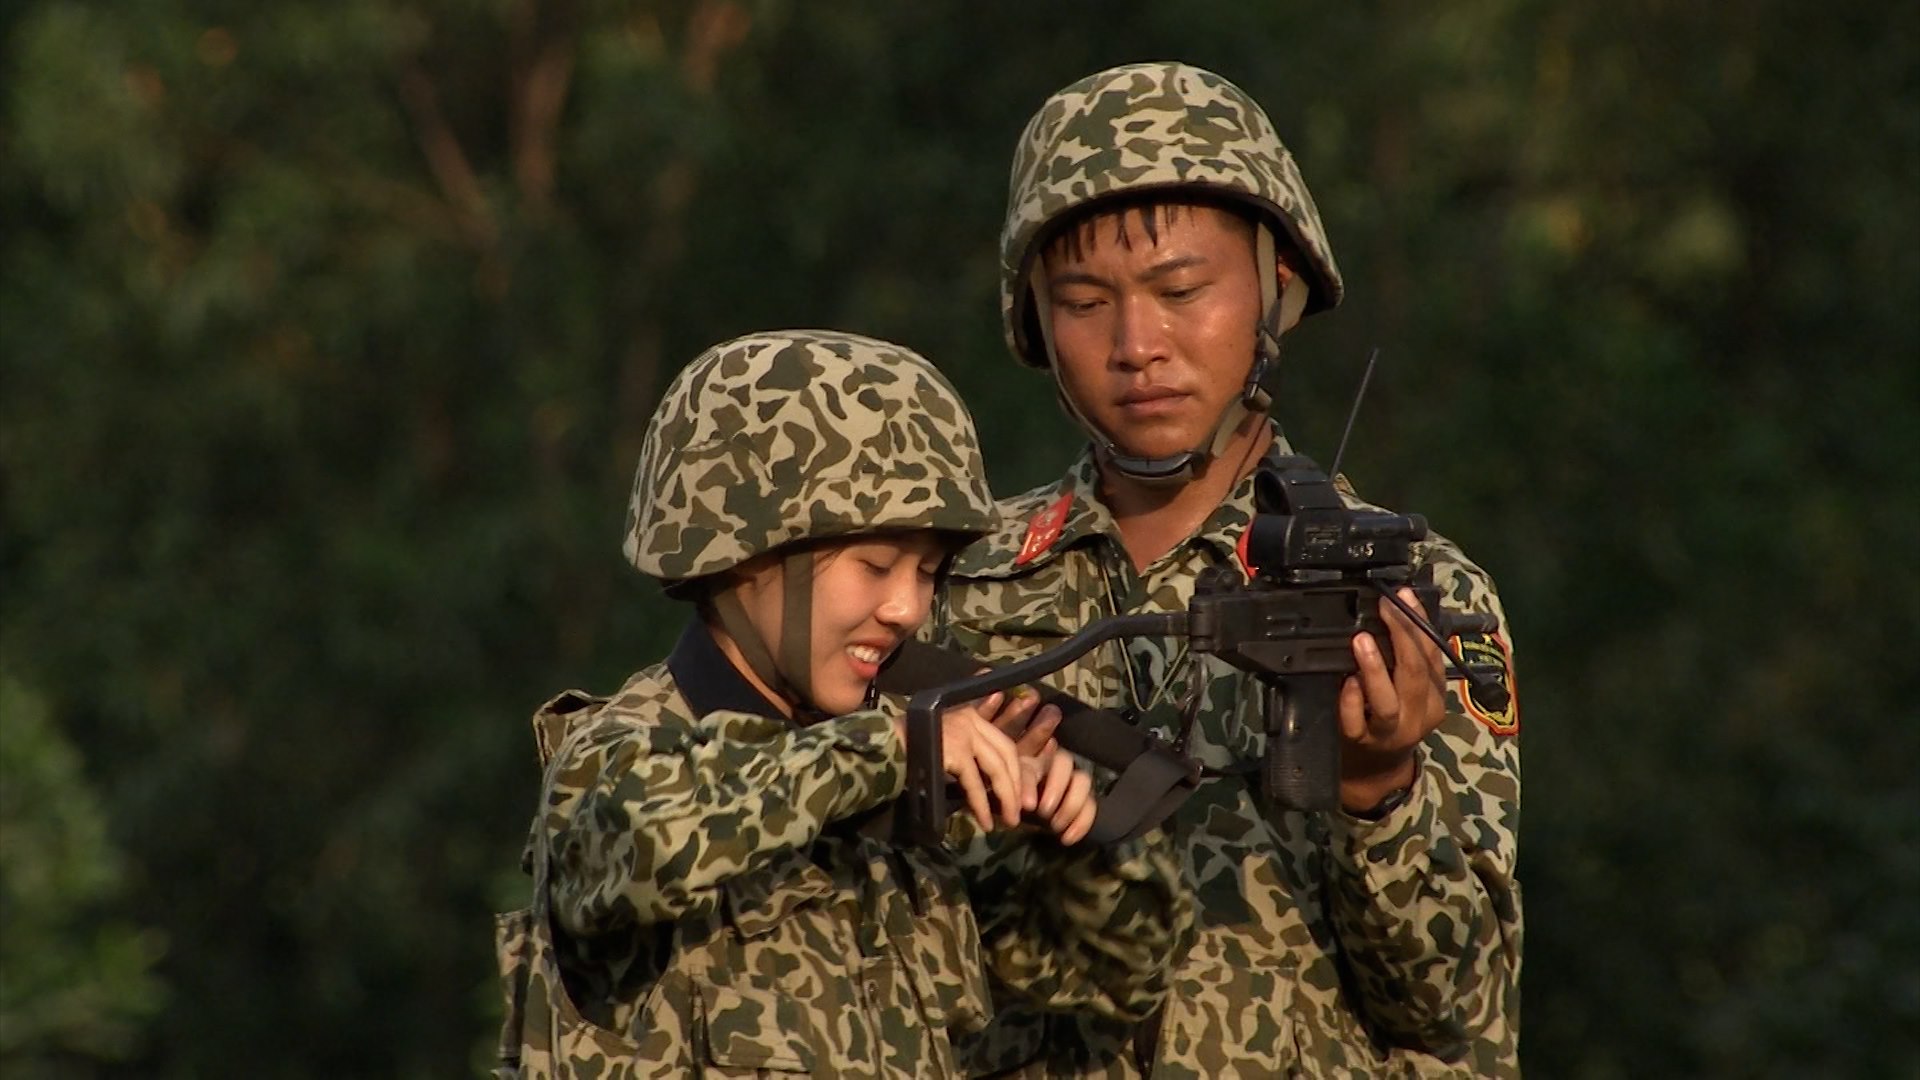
<point>1139,333</point>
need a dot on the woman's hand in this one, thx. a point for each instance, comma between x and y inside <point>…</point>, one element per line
<point>1066,805</point>
<point>1029,726</point>
<point>984,759</point>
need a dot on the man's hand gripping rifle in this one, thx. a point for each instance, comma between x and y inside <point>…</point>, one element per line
<point>1316,569</point>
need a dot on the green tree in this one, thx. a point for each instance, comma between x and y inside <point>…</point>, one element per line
<point>327,332</point>
<point>319,326</point>
<point>76,984</point>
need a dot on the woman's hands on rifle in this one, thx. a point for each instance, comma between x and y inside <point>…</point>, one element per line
<point>1002,780</point>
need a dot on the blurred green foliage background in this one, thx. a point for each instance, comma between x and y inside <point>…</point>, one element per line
<point>330,328</point>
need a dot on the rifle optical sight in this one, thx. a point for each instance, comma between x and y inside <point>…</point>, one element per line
<point>1304,533</point>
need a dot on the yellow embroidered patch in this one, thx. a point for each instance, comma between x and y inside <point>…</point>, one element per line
<point>1491,650</point>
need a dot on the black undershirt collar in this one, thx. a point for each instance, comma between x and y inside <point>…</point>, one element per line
<point>709,682</point>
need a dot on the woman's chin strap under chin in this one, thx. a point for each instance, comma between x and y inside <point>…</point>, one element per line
<point>1281,311</point>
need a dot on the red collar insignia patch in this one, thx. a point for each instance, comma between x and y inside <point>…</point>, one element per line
<point>1043,529</point>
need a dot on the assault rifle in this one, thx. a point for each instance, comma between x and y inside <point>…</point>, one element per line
<point>1316,571</point>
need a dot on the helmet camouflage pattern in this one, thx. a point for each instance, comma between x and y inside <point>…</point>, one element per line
<point>800,435</point>
<point>1139,128</point>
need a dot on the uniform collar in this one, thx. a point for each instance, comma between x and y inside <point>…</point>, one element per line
<point>1222,528</point>
<point>1004,552</point>
<point>1089,515</point>
<point>1037,526</point>
<point>709,681</point>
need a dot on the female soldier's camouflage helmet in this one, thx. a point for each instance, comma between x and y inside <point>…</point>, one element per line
<point>1135,129</point>
<point>800,435</point>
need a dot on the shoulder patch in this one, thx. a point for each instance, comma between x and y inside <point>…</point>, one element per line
<point>1491,650</point>
<point>1043,529</point>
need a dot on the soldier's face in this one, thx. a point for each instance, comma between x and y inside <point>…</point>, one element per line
<point>869,595</point>
<point>1154,329</point>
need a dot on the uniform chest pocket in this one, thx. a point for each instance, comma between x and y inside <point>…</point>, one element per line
<point>1242,1006</point>
<point>747,1029</point>
<point>1004,619</point>
<point>1046,623</point>
<point>998,641</point>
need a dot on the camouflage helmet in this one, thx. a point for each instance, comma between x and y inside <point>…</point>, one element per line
<point>800,435</point>
<point>1139,128</point>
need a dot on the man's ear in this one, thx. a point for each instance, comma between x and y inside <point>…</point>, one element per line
<point>1282,272</point>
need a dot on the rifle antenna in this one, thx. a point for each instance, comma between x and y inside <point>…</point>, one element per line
<point>1365,377</point>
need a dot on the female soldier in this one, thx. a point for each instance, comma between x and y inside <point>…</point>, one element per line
<point>707,901</point>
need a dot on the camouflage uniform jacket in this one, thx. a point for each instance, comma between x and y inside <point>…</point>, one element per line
<point>712,908</point>
<point>1327,945</point>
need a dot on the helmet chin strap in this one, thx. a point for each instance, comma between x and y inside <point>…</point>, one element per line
<point>796,626</point>
<point>1281,311</point>
<point>791,676</point>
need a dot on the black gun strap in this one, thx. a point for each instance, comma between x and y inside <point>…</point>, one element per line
<point>1153,779</point>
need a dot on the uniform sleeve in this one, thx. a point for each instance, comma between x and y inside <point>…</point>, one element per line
<point>1084,927</point>
<point>648,815</point>
<point>1425,901</point>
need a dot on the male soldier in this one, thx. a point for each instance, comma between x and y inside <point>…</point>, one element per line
<point>1158,242</point>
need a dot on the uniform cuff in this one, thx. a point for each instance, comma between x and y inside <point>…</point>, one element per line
<point>871,753</point>
<point>1396,845</point>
